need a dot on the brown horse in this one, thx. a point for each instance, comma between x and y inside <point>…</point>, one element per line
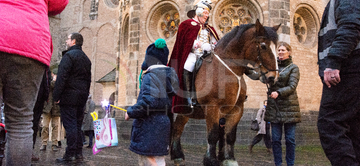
<point>221,89</point>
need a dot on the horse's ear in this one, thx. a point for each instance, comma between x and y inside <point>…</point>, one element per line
<point>260,30</point>
<point>276,27</point>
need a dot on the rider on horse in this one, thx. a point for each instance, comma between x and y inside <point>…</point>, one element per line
<point>194,39</point>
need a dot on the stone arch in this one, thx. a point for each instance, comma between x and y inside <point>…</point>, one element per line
<point>88,48</point>
<point>231,13</point>
<point>163,21</point>
<point>88,42</point>
<point>306,24</point>
<point>105,56</point>
<point>125,34</point>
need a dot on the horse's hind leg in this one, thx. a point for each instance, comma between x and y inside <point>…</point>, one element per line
<point>176,152</point>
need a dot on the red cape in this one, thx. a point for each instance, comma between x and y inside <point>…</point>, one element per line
<point>187,33</point>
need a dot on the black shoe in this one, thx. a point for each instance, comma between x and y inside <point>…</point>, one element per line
<point>79,157</point>
<point>34,157</point>
<point>251,148</point>
<point>65,159</point>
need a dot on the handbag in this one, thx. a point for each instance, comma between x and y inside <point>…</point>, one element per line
<point>255,125</point>
<point>105,132</point>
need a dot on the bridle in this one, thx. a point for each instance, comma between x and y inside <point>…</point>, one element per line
<point>260,46</point>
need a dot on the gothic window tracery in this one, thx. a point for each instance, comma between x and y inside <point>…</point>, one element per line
<point>169,24</point>
<point>234,15</point>
<point>305,25</point>
<point>300,28</point>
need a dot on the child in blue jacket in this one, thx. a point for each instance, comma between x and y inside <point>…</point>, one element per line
<point>150,135</point>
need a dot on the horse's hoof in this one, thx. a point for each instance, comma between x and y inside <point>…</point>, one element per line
<point>229,163</point>
<point>211,162</point>
<point>179,162</point>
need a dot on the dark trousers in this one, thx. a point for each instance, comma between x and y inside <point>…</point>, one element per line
<point>72,117</point>
<point>266,137</point>
<point>90,134</point>
<point>38,109</point>
<point>20,79</point>
<point>339,121</point>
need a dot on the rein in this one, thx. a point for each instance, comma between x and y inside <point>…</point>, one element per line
<point>269,92</point>
<point>259,58</point>
<point>237,76</point>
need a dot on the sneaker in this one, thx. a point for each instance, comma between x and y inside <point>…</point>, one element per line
<point>65,159</point>
<point>43,148</point>
<point>34,158</point>
<point>54,148</point>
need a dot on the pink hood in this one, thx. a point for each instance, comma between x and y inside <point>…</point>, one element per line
<point>24,27</point>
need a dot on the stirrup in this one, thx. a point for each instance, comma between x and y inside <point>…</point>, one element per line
<point>194,102</point>
<point>190,102</point>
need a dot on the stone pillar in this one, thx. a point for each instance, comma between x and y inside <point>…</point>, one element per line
<point>280,13</point>
<point>94,9</point>
<point>133,63</point>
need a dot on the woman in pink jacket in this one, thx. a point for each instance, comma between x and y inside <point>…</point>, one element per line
<point>25,52</point>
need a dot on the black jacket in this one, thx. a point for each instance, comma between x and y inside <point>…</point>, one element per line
<point>287,101</point>
<point>339,37</point>
<point>74,78</point>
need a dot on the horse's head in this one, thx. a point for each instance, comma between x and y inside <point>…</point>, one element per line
<point>252,47</point>
<point>261,53</point>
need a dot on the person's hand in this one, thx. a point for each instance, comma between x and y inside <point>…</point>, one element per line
<point>127,116</point>
<point>274,95</point>
<point>331,76</point>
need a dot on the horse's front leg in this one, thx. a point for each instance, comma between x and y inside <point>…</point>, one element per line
<point>230,138</point>
<point>210,158</point>
<point>176,151</point>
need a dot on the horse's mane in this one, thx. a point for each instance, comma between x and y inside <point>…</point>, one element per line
<point>271,34</point>
<point>238,30</point>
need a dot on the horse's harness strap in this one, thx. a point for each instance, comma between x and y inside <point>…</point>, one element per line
<point>238,77</point>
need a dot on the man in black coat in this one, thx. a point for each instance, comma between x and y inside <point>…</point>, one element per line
<point>339,59</point>
<point>71,91</point>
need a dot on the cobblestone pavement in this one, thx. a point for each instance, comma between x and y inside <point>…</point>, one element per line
<point>121,156</point>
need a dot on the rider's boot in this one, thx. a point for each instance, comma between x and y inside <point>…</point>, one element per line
<point>194,102</point>
<point>187,80</point>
